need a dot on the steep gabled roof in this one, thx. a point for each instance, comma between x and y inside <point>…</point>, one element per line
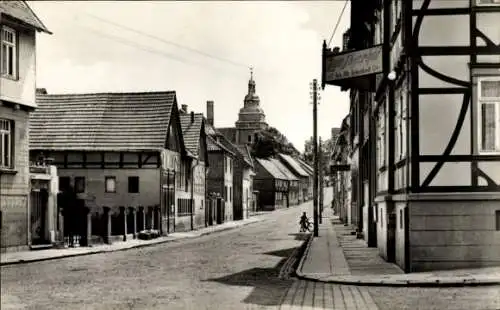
<point>222,139</point>
<point>289,175</point>
<point>191,131</point>
<point>215,146</point>
<point>306,167</point>
<point>21,11</point>
<point>294,165</point>
<point>102,121</point>
<point>270,167</point>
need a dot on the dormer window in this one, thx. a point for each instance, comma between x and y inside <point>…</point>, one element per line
<point>8,53</point>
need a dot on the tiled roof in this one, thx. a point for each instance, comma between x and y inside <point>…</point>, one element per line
<point>306,167</point>
<point>212,145</point>
<point>295,166</point>
<point>229,133</point>
<point>271,168</point>
<point>191,131</point>
<point>215,146</point>
<point>289,175</point>
<point>101,121</point>
<point>21,11</point>
<point>225,142</point>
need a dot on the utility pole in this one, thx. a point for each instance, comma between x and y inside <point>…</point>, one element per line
<point>314,95</point>
<point>320,176</point>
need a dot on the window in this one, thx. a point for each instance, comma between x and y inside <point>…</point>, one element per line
<point>110,184</point>
<point>489,115</point>
<point>250,138</point>
<point>183,206</point>
<point>64,183</point>
<point>225,192</point>
<point>9,52</point>
<point>230,193</point>
<point>133,184</point>
<point>79,184</point>
<point>401,219</point>
<point>497,219</point>
<point>487,2</point>
<point>6,147</point>
<point>400,123</point>
<point>381,141</point>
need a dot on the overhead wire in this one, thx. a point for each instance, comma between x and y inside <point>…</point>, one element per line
<point>338,22</point>
<point>166,41</point>
<point>137,46</point>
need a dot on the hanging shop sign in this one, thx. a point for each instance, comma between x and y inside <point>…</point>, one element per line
<point>355,69</point>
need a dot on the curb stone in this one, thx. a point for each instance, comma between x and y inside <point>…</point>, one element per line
<point>287,270</point>
<point>136,246</point>
<point>371,280</point>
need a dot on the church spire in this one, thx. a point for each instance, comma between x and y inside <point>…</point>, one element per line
<point>251,83</point>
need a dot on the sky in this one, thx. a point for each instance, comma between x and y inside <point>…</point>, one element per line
<point>203,50</point>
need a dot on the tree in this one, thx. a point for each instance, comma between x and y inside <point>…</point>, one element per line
<point>269,142</point>
<point>326,151</point>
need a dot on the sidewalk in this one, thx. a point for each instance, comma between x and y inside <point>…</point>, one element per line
<point>336,256</point>
<point>41,255</point>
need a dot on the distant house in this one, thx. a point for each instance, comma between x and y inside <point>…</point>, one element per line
<point>294,166</point>
<point>272,185</point>
<point>22,223</point>
<point>310,171</point>
<point>193,132</point>
<point>342,179</point>
<point>242,177</point>
<point>292,197</point>
<point>121,154</point>
<point>219,179</point>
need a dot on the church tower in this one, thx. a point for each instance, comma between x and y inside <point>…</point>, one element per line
<point>251,118</point>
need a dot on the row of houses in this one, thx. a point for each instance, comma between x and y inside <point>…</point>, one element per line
<point>417,161</point>
<point>100,167</point>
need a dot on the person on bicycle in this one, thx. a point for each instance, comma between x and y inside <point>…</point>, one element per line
<point>304,222</point>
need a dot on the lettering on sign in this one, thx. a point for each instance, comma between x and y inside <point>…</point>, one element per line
<point>353,64</point>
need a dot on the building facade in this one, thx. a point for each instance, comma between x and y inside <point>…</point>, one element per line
<point>18,27</point>
<point>193,132</point>
<point>425,131</point>
<point>272,185</point>
<point>122,156</point>
<point>303,177</point>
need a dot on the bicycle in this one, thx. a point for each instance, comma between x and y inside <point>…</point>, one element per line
<point>307,226</point>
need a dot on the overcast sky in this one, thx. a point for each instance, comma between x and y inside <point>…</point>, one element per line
<point>112,46</point>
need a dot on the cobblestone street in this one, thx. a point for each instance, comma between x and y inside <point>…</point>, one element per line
<point>235,269</point>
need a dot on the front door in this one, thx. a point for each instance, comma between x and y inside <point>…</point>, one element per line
<point>39,198</point>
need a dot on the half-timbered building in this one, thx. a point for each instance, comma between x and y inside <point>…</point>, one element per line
<point>272,185</point>
<point>121,154</point>
<point>310,171</point>
<point>425,129</point>
<point>193,132</point>
<point>299,172</point>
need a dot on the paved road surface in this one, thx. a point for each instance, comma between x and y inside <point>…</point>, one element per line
<point>237,269</point>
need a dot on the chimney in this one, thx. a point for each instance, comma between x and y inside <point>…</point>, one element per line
<point>41,91</point>
<point>210,112</point>
<point>192,116</point>
<point>184,108</point>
